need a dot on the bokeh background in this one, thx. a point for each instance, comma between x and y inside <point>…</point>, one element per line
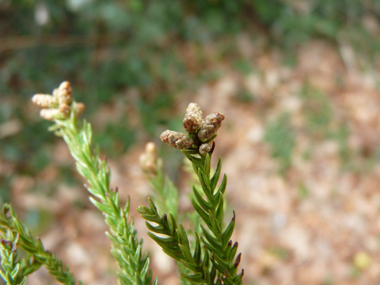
<point>297,80</point>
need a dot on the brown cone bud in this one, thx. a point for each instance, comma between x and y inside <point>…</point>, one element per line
<point>176,139</point>
<point>210,126</point>
<point>45,100</point>
<point>66,86</point>
<point>65,110</point>
<point>191,123</point>
<point>148,160</point>
<point>79,109</point>
<point>64,93</point>
<point>193,118</point>
<point>194,108</point>
<point>50,114</point>
<point>205,148</point>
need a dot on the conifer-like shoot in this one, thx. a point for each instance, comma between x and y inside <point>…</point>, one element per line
<point>126,247</point>
<point>205,253</point>
<point>211,259</point>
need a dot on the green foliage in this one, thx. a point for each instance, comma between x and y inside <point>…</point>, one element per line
<point>126,248</point>
<point>280,252</point>
<point>11,272</point>
<point>154,111</point>
<point>4,188</point>
<point>320,124</point>
<point>106,47</point>
<point>269,11</point>
<point>341,136</point>
<point>165,194</point>
<point>210,259</point>
<point>211,210</point>
<point>19,235</point>
<point>292,23</point>
<point>176,244</point>
<point>303,192</point>
<point>280,135</point>
<point>116,138</point>
<point>216,261</point>
<point>318,112</point>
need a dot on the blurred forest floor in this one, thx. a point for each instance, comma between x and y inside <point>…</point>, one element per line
<point>300,146</point>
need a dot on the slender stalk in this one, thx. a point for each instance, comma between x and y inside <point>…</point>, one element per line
<point>210,207</point>
<point>175,243</point>
<point>165,195</point>
<point>208,200</point>
<point>126,247</point>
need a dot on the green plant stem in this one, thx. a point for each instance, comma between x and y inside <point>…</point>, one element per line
<point>10,272</point>
<point>34,247</point>
<point>210,207</point>
<point>166,200</point>
<point>176,245</point>
<point>126,248</point>
<point>166,194</point>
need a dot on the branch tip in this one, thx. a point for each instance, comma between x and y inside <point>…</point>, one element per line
<point>212,147</point>
<point>242,274</point>
<point>237,261</point>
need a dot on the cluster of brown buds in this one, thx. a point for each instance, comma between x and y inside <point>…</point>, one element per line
<point>58,105</point>
<point>149,161</point>
<point>200,132</point>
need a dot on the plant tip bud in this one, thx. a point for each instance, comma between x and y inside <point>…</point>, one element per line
<point>177,140</point>
<point>79,108</point>
<point>150,147</point>
<point>205,148</point>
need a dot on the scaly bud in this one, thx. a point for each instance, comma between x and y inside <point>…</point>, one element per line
<point>45,100</point>
<point>64,110</point>
<point>176,139</point>
<point>66,87</point>
<point>205,148</point>
<point>148,160</point>
<point>64,93</point>
<point>191,123</point>
<point>193,118</point>
<point>58,106</point>
<point>194,108</point>
<point>50,114</point>
<point>210,126</point>
<point>79,109</point>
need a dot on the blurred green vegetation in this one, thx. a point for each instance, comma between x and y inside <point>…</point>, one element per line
<point>281,137</point>
<point>156,48</point>
<point>293,22</point>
